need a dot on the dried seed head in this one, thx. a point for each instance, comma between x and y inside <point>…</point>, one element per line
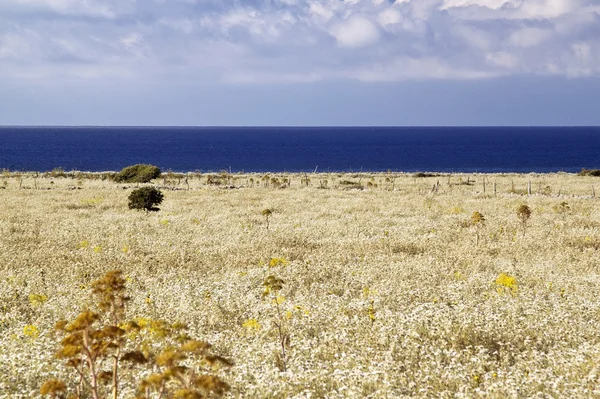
<point>105,377</point>
<point>477,218</point>
<point>53,387</point>
<point>134,357</point>
<point>211,383</point>
<point>68,351</point>
<point>195,346</point>
<point>83,321</point>
<point>217,361</point>
<point>60,325</point>
<point>168,358</point>
<point>187,394</point>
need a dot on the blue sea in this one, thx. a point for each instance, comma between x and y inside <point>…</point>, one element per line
<point>302,149</point>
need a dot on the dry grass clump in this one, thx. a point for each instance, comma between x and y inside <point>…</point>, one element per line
<point>383,292</point>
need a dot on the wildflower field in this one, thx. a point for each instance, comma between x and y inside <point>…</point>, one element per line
<point>320,285</point>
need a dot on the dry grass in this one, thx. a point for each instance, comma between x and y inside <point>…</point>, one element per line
<point>386,294</point>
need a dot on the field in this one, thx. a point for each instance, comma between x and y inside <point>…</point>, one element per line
<point>391,287</point>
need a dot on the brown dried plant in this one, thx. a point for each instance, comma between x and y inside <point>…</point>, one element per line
<point>523,213</point>
<point>267,214</point>
<point>102,349</point>
<point>478,221</point>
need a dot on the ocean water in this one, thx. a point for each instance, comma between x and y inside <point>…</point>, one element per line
<point>300,149</point>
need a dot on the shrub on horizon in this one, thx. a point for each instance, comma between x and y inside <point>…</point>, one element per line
<point>589,172</point>
<point>140,173</point>
<point>145,198</point>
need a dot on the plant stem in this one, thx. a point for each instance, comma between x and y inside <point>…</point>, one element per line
<point>281,336</point>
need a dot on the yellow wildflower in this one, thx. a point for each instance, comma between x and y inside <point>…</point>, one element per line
<point>31,331</point>
<point>274,262</point>
<point>504,282</point>
<point>37,300</point>
<point>251,324</point>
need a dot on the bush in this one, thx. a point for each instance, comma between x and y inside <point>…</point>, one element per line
<point>145,198</point>
<point>139,173</point>
<point>589,172</point>
<point>425,174</point>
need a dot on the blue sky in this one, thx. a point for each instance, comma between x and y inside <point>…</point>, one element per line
<point>299,62</point>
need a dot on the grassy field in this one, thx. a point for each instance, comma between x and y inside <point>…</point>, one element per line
<point>390,289</point>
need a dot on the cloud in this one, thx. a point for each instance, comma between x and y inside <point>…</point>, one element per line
<point>355,32</point>
<point>274,41</point>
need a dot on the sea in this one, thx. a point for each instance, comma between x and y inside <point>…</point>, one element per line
<point>302,149</point>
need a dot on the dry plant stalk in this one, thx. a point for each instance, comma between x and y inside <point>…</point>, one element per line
<point>99,341</point>
<point>524,213</point>
<point>267,214</point>
<point>272,286</point>
<point>477,220</point>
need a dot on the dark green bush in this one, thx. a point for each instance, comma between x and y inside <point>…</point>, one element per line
<point>145,198</point>
<point>425,174</point>
<point>139,173</point>
<point>589,172</point>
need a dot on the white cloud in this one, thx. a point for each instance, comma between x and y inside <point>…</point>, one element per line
<point>502,59</point>
<point>355,32</point>
<point>319,10</point>
<point>529,37</point>
<point>297,40</point>
<point>389,16</point>
<point>107,9</point>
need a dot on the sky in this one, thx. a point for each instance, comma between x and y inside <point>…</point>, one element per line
<point>300,62</point>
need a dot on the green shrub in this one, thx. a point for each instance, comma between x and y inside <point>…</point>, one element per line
<point>589,172</point>
<point>425,174</point>
<point>139,173</point>
<point>145,198</point>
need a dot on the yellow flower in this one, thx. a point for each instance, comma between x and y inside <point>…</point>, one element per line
<point>31,331</point>
<point>368,292</point>
<point>301,309</point>
<point>288,315</point>
<point>456,210</point>
<point>97,249</point>
<point>84,244</point>
<point>371,311</point>
<point>143,322</point>
<point>279,300</point>
<point>274,262</point>
<point>251,324</point>
<point>37,300</point>
<point>164,222</point>
<point>504,282</point>
<point>125,249</point>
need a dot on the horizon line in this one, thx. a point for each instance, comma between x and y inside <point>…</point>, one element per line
<point>298,126</point>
